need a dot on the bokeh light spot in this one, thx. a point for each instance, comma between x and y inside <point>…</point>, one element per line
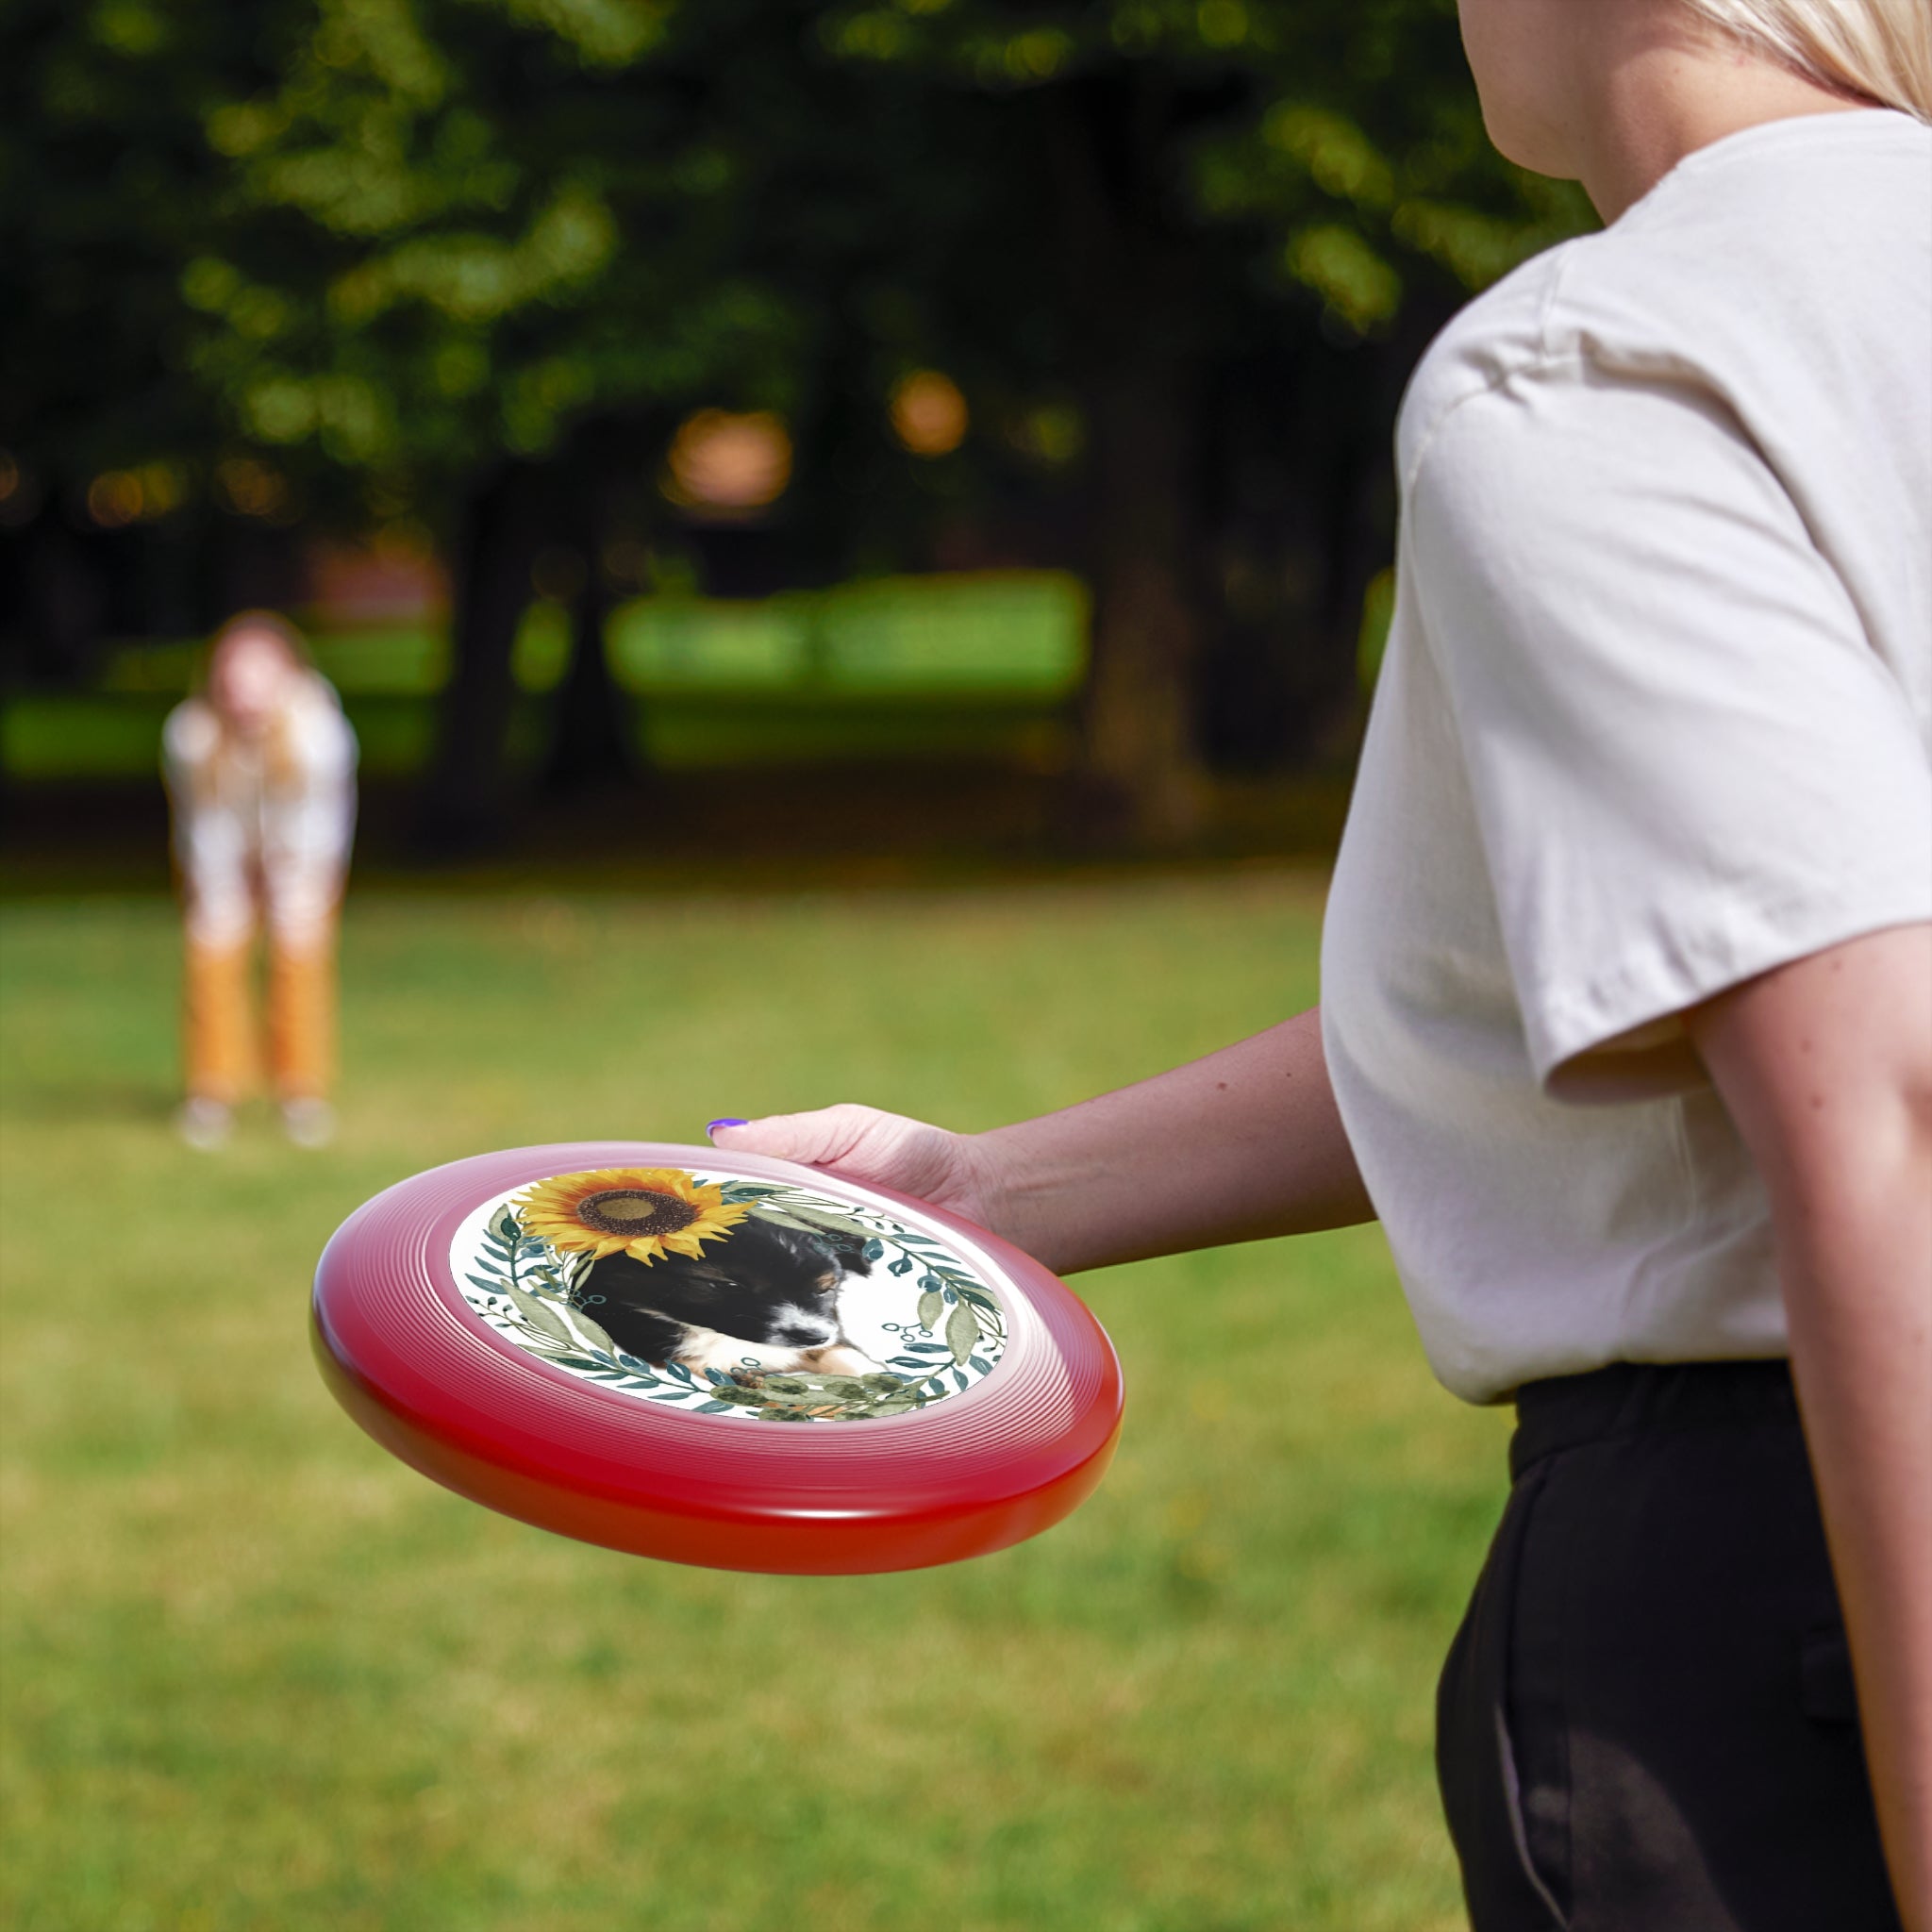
<point>929,415</point>
<point>250,487</point>
<point>114,499</point>
<point>728,464</point>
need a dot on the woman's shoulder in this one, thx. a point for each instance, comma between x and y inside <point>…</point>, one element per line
<point>191,733</point>
<point>319,734</point>
<point>1495,337</point>
<point>1785,254</point>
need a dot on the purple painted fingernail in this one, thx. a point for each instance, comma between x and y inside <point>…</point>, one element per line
<point>714,1125</point>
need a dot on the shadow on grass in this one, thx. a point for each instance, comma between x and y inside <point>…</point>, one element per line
<point>739,830</point>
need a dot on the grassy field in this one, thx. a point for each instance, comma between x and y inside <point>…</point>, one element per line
<point>257,1675</point>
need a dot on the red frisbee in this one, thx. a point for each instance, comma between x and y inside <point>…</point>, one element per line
<point>716,1358</point>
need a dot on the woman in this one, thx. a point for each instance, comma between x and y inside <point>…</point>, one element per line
<point>1628,1019</point>
<point>260,769</point>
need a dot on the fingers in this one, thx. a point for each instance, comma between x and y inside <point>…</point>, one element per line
<point>861,1143</point>
<point>823,1137</point>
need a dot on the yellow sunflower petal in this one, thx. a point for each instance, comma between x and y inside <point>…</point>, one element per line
<point>608,1211</point>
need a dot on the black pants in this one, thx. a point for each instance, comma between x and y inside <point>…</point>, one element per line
<point>1646,1721</point>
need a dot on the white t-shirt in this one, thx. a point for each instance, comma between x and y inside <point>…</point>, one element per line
<point>247,831</point>
<point>1655,716</point>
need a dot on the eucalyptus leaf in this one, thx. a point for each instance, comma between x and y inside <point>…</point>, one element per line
<point>711,1408</point>
<point>541,1316</point>
<point>902,1266</point>
<point>875,1249</point>
<point>816,1219</point>
<point>786,1217</point>
<point>588,1331</point>
<point>962,1332</point>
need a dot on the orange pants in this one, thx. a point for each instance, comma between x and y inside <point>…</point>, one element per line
<point>223,1049</point>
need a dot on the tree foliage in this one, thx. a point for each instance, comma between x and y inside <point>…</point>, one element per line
<point>442,258</point>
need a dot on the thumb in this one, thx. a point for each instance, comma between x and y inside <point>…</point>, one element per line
<point>818,1139</point>
<point>861,1143</point>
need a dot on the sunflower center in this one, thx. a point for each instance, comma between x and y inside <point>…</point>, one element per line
<point>634,1212</point>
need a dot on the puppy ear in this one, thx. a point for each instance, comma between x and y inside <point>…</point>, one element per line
<point>848,1250</point>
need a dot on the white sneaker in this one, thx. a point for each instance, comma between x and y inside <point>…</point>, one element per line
<point>309,1122</point>
<point>204,1123</point>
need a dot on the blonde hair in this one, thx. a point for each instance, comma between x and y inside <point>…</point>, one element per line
<point>1879,50</point>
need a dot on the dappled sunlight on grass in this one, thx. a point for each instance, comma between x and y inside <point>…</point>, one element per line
<point>259,1675</point>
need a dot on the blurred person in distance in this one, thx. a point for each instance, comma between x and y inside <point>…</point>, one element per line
<point>260,768</point>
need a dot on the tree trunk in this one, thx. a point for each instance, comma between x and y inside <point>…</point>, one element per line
<point>1138,723</point>
<point>1133,307</point>
<point>62,602</point>
<point>466,802</point>
<point>590,740</point>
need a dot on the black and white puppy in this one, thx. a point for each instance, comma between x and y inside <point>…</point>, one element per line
<point>766,1298</point>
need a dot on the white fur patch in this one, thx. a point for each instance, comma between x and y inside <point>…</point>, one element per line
<point>790,1315</point>
<point>704,1348</point>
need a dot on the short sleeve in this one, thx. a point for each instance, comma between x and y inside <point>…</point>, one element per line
<point>1688,764</point>
<point>187,742</point>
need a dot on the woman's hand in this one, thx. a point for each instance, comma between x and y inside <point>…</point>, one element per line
<point>885,1149</point>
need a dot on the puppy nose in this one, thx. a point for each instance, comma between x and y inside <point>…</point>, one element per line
<point>808,1331</point>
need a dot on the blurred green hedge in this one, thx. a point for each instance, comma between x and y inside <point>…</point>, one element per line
<point>895,667</point>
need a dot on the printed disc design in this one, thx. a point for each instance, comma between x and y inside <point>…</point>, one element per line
<point>728,1296</point>
<point>716,1358</point>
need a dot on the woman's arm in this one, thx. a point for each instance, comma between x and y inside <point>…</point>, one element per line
<point>1826,1068</point>
<point>1241,1146</point>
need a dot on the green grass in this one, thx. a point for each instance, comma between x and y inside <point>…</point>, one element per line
<point>257,1674</point>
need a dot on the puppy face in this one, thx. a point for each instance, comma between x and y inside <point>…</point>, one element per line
<point>769,1291</point>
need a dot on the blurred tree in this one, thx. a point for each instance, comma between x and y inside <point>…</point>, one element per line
<point>106,189</point>
<point>469,262</point>
<point>1236,200</point>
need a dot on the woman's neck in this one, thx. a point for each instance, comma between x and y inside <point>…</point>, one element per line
<point>1657,96</point>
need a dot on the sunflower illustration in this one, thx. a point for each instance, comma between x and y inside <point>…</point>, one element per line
<point>641,1211</point>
